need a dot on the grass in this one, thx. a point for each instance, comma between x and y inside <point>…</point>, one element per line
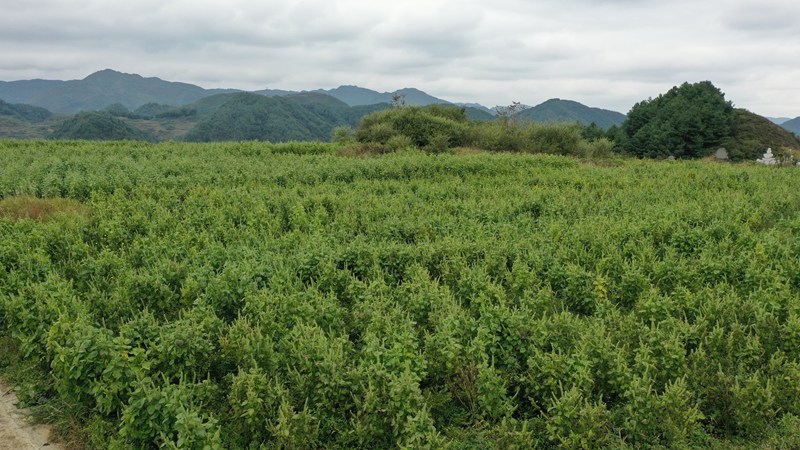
<point>40,209</point>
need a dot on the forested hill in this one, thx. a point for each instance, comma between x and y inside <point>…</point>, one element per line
<point>99,126</point>
<point>557,110</point>
<point>24,112</point>
<point>127,93</point>
<point>301,117</point>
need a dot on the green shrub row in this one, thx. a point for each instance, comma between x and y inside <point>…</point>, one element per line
<point>438,128</point>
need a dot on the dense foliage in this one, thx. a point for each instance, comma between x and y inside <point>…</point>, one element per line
<point>99,126</point>
<point>438,128</point>
<point>247,295</point>
<point>440,125</point>
<point>688,121</point>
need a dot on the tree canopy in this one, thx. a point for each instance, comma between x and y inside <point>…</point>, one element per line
<point>685,122</point>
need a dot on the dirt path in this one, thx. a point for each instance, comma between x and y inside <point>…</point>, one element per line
<point>16,432</point>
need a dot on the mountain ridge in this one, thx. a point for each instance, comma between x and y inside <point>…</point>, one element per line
<point>101,89</point>
<point>105,87</point>
<point>792,125</point>
<point>558,110</point>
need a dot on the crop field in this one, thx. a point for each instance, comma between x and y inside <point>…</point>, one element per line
<point>280,296</point>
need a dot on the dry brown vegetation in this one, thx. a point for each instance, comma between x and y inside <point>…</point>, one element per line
<point>40,209</point>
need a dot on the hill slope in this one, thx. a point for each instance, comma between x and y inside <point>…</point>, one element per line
<point>557,110</point>
<point>297,117</point>
<point>97,126</point>
<point>24,112</point>
<point>753,134</point>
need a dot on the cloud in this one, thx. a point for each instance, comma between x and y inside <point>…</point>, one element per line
<point>764,18</point>
<point>607,53</point>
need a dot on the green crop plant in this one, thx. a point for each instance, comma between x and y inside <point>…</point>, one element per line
<point>256,295</point>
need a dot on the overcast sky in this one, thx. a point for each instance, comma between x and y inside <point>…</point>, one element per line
<point>604,53</point>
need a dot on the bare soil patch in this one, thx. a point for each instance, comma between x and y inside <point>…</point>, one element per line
<point>16,430</point>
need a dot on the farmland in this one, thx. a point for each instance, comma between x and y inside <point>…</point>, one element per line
<point>242,295</point>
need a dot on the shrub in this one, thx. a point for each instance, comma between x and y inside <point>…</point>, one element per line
<point>398,142</point>
<point>600,148</point>
<point>169,416</point>
<point>556,138</point>
<point>343,135</point>
<point>529,137</point>
<point>418,124</point>
<point>575,422</point>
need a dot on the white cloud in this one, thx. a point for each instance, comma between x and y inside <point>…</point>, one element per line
<point>607,53</point>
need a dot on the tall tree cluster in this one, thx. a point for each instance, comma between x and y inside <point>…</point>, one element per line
<point>686,122</point>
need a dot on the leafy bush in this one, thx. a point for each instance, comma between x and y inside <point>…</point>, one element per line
<point>530,137</point>
<point>419,124</point>
<point>343,135</point>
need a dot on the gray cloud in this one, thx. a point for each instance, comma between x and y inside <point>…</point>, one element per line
<point>607,53</point>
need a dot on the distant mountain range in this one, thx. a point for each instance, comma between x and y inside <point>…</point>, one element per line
<point>101,89</point>
<point>109,87</point>
<point>792,125</point>
<point>355,96</point>
<point>173,110</point>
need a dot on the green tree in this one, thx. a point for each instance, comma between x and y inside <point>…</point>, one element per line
<point>685,122</point>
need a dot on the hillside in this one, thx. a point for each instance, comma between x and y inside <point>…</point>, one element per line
<point>301,117</point>
<point>24,112</point>
<point>557,110</point>
<point>792,125</point>
<point>478,113</point>
<point>97,126</point>
<point>101,89</point>
<point>753,134</point>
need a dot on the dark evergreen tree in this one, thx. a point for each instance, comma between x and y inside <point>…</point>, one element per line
<point>686,122</point>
